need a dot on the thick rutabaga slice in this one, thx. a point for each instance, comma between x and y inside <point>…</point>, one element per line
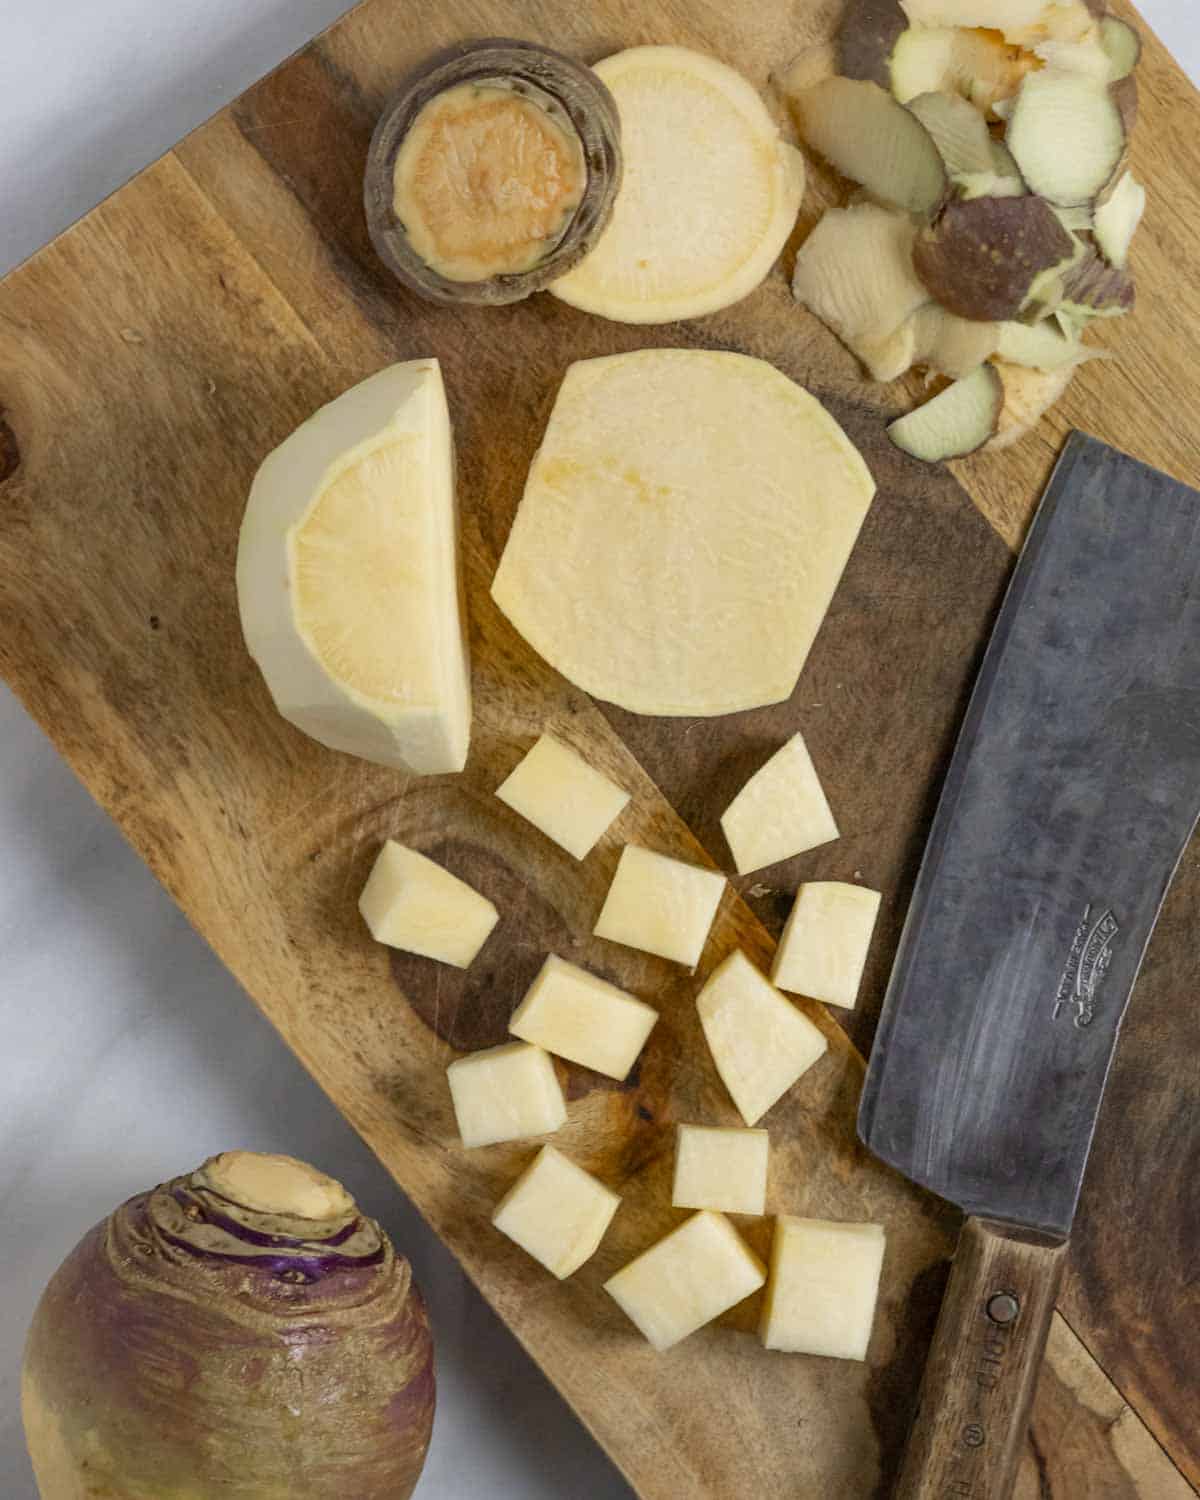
<point>709,193</point>
<point>347,576</point>
<point>682,531</point>
<point>782,810</point>
<point>687,1279</point>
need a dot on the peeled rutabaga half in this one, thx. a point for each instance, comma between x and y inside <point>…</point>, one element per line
<point>709,194</point>
<point>347,575</point>
<point>683,528</point>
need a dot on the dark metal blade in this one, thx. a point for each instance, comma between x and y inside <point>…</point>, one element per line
<point>1072,792</point>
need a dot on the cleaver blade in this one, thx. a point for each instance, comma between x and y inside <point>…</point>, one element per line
<point>1072,792</point>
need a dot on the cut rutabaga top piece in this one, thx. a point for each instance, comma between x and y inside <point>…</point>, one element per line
<point>870,138</point>
<point>347,576</point>
<point>583,1018</point>
<point>1066,135</point>
<point>823,950</point>
<point>823,1288</point>
<point>956,422</point>
<point>759,1041</point>
<point>684,525</point>
<point>492,171</point>
<point>660,905</point>
<point>412,903</point>
<point>556,1212</point>
<point>781,811</point>
<point>558,792</point>
<point>692,1276</point>
<point>709,195</point>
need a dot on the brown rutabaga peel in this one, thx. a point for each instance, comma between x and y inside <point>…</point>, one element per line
<point>492,171</point>
<point>956,422</point>
<point>959,132</point>
<point>981,256</point>
<point>1117,218</point>
<point>867,37</point>
<point>862,131</point>
<point>1066,135</point>
<point>241,1331</point>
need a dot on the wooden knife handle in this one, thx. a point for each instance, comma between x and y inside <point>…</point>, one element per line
<point>979,1381</point>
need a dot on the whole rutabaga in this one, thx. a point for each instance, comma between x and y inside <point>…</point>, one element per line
<point>240,1332</point>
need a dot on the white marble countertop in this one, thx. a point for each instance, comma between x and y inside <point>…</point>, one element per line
<point>128,1053</point>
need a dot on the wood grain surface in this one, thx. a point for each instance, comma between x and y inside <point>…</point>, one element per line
<point>972,1419</point>
<point>152,355</point>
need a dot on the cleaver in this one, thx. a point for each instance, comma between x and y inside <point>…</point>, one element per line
<point>1073,789</point>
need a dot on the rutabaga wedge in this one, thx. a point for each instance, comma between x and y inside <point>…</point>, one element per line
<point>980,257</point>
<point>855,271</point>
<point>709,193</point>
<point>1066,135</point>
<point>1117,218</point>
<point>956,422</point>
<point>347,576</point>
<point>861,130</point>
<point>683,527</point>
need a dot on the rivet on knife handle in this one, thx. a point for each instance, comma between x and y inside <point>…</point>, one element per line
<point>983,1367</point>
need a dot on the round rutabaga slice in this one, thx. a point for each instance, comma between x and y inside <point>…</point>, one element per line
<point>682,531</point>
<point>709,194</point>
<point>347,575</point>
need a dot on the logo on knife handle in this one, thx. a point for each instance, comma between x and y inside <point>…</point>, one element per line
<point>1087,964</point>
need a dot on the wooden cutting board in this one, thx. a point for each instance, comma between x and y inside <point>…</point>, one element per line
<point>155,352</point>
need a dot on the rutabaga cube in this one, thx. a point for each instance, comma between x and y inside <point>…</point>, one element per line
<point>557,1212</point>
<point>583,1018</point>
<point>410,902</point>
<point>696,1273</point>
<point>720,1168</point>
<point>505,1094</point>
<point>781,811</point>
<point>557,791</point>
<point>823,1288</point>
<point>823,950</point>
<point>759,1041</point>
<point>660,905</point>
